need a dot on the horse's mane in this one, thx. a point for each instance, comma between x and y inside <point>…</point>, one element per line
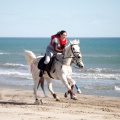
<point>72,42</point>
<point>75,41</point>
<point>67,48</point>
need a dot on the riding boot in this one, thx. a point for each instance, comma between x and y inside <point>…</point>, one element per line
<point>42,71</point>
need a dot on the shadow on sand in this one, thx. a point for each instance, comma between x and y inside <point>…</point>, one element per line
<point>15,103</point>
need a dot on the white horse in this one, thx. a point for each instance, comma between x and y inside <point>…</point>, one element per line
<point>62,69</point>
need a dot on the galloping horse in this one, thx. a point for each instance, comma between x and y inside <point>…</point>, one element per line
<point>62,69</point>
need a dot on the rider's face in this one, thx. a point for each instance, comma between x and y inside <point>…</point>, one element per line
<point>63,36</point>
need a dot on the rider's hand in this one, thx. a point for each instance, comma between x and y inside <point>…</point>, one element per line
<point>63,51</point>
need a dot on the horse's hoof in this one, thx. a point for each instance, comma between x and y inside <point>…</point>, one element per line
<point>41,101</point>
<point>37,102</point>
<point>79,91</point>
<point>57,99</point>
<point>66,95</point>
<point>74,98</point>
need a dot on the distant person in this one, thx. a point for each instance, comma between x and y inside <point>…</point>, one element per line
<point>57,44</point>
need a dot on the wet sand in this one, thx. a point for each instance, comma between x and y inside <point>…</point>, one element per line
<point>19,105</point>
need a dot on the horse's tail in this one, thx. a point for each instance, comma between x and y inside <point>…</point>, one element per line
<point>30,56</point>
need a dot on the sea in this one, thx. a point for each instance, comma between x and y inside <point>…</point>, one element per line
<point>100,75</point>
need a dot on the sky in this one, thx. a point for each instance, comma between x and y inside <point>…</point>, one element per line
<point>43,18</point>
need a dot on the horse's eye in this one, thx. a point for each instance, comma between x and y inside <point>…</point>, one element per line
<point>73,48</point>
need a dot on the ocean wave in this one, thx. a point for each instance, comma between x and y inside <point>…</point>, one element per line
<point>12,53</point>
<point>14,73</point>
<point>98,87</point>
<point>96,76</point>
<point>23,78</point>
<point>101,70</point>
<point>14,66</point>
<point>104,56</point>
<point>117,88</point>
<point>3,53</point>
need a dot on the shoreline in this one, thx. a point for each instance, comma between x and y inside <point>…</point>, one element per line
<point>116,93</point>
<point>19,105</point>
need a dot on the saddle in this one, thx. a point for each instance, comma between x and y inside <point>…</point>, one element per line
<point>49,65</point>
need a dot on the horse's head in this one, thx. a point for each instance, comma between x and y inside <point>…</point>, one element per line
<point>77,56</point>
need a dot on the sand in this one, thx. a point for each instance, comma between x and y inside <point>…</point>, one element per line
<point>19,105</point>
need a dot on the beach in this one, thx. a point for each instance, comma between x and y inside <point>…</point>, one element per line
<point>19,105</point>
<point>100,75</point>
<point>99,82</point>
<point>90,66</point>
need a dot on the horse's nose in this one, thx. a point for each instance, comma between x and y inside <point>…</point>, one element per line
<point>82,66</point>
<point>79,56</point>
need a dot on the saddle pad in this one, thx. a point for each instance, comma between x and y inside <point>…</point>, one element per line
<point>40,64</point>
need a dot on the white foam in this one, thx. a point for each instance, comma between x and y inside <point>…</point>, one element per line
<point>97,76</point>
<point>15,73</point>
<point>105,56</point>
<point>101,70</point>
<point>88,87</point>
<point>2,53</point>
<point>117,88</point>
<point>13,64</point>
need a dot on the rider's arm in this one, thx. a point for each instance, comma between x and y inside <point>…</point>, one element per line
<point>55,47</point>
<point>55,43</point>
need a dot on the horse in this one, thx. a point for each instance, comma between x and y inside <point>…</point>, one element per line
<point>41,81</point>
<point>61,70</point>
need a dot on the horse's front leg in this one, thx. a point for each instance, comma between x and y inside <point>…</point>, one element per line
<point>66,83</point>
<point>78,89</point>
<point>49,82</point>
<point>73,84</point>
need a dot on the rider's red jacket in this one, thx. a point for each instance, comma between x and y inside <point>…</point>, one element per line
<point>62,42</point>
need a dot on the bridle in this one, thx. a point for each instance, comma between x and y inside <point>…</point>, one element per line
<point>74,56</point>
<point>75,52</point>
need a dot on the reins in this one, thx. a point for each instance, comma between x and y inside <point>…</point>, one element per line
<point>74,56</point>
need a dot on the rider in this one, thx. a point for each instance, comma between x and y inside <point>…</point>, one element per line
<point>57,44</point>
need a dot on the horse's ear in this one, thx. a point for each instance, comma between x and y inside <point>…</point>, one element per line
<point>78,41</point>
<point>70,41</point>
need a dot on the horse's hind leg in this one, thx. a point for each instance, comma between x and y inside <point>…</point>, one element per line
<point>49,82</point>
<point>41,83</point>
<point>35,91</point>
<point>42,86</point>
